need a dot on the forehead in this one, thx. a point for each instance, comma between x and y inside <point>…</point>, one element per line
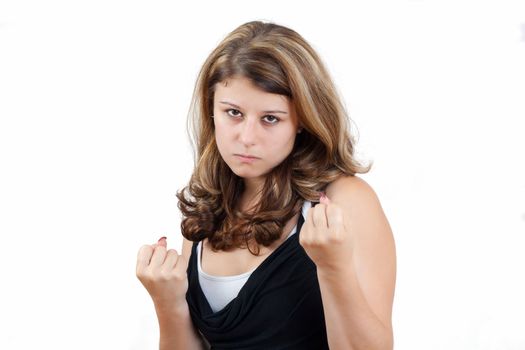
<point>242,91</point>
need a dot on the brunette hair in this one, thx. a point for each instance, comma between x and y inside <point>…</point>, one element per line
<point>277,60</point>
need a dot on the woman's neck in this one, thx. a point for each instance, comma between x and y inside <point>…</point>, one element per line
<point>251,194</point>
<point>248,201</point>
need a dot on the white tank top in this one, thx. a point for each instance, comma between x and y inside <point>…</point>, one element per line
<point>220,290</point>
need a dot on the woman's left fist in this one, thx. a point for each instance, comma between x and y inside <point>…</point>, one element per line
<point>324,236</point>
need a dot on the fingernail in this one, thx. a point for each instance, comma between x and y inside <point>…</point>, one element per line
<point>161,238</point>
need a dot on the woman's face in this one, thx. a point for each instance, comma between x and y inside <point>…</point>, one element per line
<point>252,122</point>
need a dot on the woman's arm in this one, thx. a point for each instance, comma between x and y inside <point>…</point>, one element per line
<point>349,238</point>
<point>177,330</point>
<point>163,274</point>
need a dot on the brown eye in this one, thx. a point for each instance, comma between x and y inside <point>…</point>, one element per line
<point>273,120</point>
<point>234,110</point>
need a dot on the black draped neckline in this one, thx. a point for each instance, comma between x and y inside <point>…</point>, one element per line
<point>279,307</point>
<point>207,310</point>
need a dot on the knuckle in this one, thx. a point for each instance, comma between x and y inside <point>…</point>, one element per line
<point>165,275</point>
<point>143,276</point>
<point>337,239</point>
<point>172,253</point>
<point>149,275</point>
<point>307,242</point>
<point>302,240</point>
<point>139,271</point>
<point>313,243</point>
<point>179,276</point>
<point>317,241</point>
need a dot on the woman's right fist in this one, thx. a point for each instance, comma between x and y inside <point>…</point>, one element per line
<point>163,273</point>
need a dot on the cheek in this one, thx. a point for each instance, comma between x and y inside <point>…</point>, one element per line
<point>281,146</point>
<point>221,134</point>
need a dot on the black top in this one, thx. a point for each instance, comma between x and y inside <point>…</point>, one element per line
<point>279,307</point>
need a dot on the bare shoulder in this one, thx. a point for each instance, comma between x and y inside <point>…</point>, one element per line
<point>352,189</point>
<point>347,180</point>
<point>361,206</point>
<point>374,257</point>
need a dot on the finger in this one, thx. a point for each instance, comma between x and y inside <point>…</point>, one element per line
<point>171,259</point>
<point>182,265</point>
<point>335,218</point>
<point>160,243</point>
<point>319,216</point>
<point>163,242</point>
<point>159,255</point>
<point>323,198</point>
<point>144,256</point>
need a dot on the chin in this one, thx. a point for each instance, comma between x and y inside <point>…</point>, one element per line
<point>246,172</point>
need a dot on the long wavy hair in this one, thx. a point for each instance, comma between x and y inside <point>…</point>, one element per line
<point>277,60</point>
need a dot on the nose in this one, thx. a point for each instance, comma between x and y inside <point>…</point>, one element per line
<point>248,131</point>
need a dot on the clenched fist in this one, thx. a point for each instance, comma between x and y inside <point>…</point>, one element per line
<point>163,273</point>
<point>325,236</point>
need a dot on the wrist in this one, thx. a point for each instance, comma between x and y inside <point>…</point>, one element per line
<point>166,309</point>
<point>336,272</point>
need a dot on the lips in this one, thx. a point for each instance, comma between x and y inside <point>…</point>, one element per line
<point>246,156</point>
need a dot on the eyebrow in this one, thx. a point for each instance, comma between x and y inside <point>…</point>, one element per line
<point>234,105</point>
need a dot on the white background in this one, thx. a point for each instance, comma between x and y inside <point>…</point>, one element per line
<point>93,147</point>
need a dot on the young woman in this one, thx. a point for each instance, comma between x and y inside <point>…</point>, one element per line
<point>284,246</point>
